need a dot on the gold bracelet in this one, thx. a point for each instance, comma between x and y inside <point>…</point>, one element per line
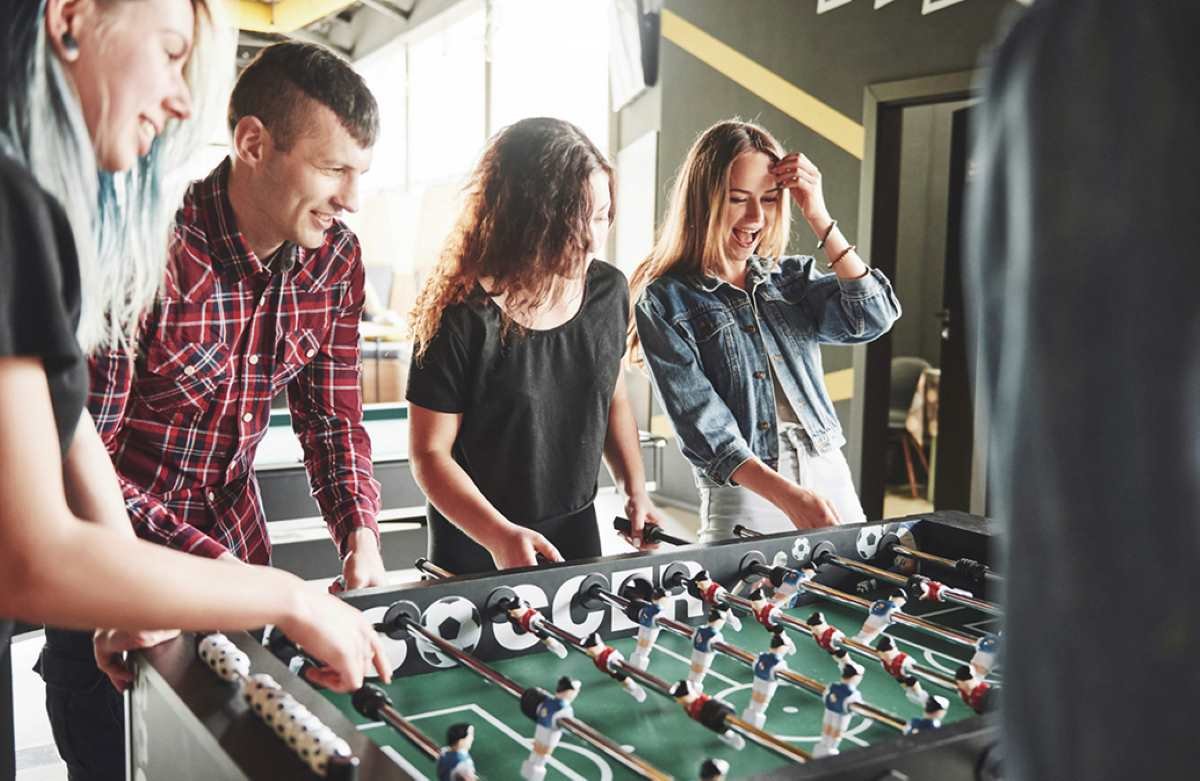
<point>843,254</point>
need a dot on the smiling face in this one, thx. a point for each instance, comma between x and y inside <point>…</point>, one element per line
<point>751,206</point>
<point>304,188</point>
<point>127,69</point>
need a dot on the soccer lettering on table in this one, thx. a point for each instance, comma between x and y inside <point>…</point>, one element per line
<point>702,645</point>
<point>608,661</point>
<point>548,733</point>
<point>838,698</point>
<point>881,614</point>
<point>900,665</point>
<point>455,763</point>
<point>766,667</point>
<point>711,592</point>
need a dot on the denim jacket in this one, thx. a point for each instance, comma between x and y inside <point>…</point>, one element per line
<point>710,348</point>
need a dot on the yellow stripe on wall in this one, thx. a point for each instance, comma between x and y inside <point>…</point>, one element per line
<point>780,93</point>
<point>284,16</point>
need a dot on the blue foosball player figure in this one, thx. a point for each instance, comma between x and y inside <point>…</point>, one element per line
<point>767,667</point>
<point>935,711</point>
<point>702,645</point>
<point>455,763</point>
<point>713,770</point>
<point>838,698</point>
<point>548,732</point>
<point>882,613</point>
<point>644,613</point>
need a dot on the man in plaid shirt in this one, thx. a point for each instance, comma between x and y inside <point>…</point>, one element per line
<point>264,292</point>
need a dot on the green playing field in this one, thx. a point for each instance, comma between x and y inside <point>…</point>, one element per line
<point>658,730</point>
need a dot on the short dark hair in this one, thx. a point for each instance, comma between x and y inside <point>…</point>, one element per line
<point>457,732</point>
<point>273,84</point>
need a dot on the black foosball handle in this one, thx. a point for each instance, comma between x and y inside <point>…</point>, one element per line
<point>651,531</point>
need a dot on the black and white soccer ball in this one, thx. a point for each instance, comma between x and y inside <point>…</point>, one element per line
<point>868,541</point>
<point>455,620</point>
<point>801,550</point>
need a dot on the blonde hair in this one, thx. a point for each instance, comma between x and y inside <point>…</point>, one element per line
<point>121,220</point>
<point>691,238</point>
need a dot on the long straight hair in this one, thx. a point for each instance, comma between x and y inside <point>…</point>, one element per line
<point>692,238</point>
<point>121,221</point>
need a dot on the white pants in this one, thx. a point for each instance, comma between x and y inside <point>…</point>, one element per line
<point>724,506</point>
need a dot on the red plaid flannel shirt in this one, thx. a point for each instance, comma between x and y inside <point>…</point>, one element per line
<point>183,418</point>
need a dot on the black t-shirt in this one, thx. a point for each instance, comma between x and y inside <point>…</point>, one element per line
<point>534,404</point>
<point>39,298</point>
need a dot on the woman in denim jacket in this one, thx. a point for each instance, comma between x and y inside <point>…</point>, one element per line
<point>731,333</point>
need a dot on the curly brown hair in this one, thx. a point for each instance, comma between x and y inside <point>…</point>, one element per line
<point>525,224</point>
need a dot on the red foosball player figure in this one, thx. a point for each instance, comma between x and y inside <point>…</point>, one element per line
<point>790,585</point>
<point>455,763</point>
<point>767,667</point>
<point>934,591</point>
<point>608,661</point>
<point>975,691</point>
<point>713,770</point>
<point>984,659</point>
<point>713,593</point>
<point>702,645</point>
<point>645,614</point>
<point>838,699</point>
<point>935,711</point>
<point>827,637</point>
<point>527,618</point>
<point>708,711</point>
<point>899,665</point>
<point>764,612</point>
<point>882,613</point>
<point>548,732</point>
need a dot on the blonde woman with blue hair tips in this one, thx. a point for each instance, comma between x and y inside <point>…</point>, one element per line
<point>96,105</point>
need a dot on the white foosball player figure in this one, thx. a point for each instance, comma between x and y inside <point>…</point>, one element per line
<point>935,711</point>
<point>984,660</point>
<point>838,699</point>
<point>767,667</point>
<point>899,665</point>
<point>764,612</point>
<point>645,615</point>
<point>548,732</point>
<point>974,691</point>
<point>455,763</point>
<point>713,594</point>
<point>827,637</point>
<point>702,645</point>
<point>790,586</point>
<point>713,770</point>
<point>608,661</point>
<point>882,613</point>
<point>529,619</point>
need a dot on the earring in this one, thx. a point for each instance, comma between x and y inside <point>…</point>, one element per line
<point>70,44</point>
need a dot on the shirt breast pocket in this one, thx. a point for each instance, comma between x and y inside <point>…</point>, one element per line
<point>183,377</point>
<point>296,351</point>
<point>714,332</point>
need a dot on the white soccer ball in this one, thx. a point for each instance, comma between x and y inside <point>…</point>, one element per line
<point>455,620</point>
<point>801,550</point>
<point>868,541</point>
<point>396,650</point>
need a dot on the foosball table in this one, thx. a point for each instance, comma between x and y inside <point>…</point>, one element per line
<point>856,652</point>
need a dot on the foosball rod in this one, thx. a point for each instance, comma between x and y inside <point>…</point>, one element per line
<point>862,649</point>
<point>969,567</point>
<point>883,574</point>
<point>656,684</point>
<point>810,685</point>
<point>577,728</point>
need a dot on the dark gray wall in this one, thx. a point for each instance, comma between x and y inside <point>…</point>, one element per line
<point>832,56</point>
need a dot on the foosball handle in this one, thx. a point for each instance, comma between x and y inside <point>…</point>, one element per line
<point>531,698</point>
<point>651,532</point>
<point>342,768</point>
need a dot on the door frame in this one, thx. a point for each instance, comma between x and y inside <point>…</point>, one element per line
<point>878,220</point>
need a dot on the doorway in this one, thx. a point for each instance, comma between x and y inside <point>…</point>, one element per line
<point>913,401</point>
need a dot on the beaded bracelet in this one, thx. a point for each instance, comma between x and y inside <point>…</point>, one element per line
<point>828,231</point>
<point>843,254</point>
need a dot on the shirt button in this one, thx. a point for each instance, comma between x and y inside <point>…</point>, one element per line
<point>760,375</point>
<point>189,370</point>
<point>247,417</point>
<point>763,425</point>
<point>751,328</point>
<point>311,353</point>
<point>212,496</point>
<point>253,359</point>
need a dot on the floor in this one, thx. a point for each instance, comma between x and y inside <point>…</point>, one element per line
<point>37,758</point>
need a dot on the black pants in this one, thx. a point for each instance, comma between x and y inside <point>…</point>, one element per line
<point>87,715</point>
<point>576,536</point>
